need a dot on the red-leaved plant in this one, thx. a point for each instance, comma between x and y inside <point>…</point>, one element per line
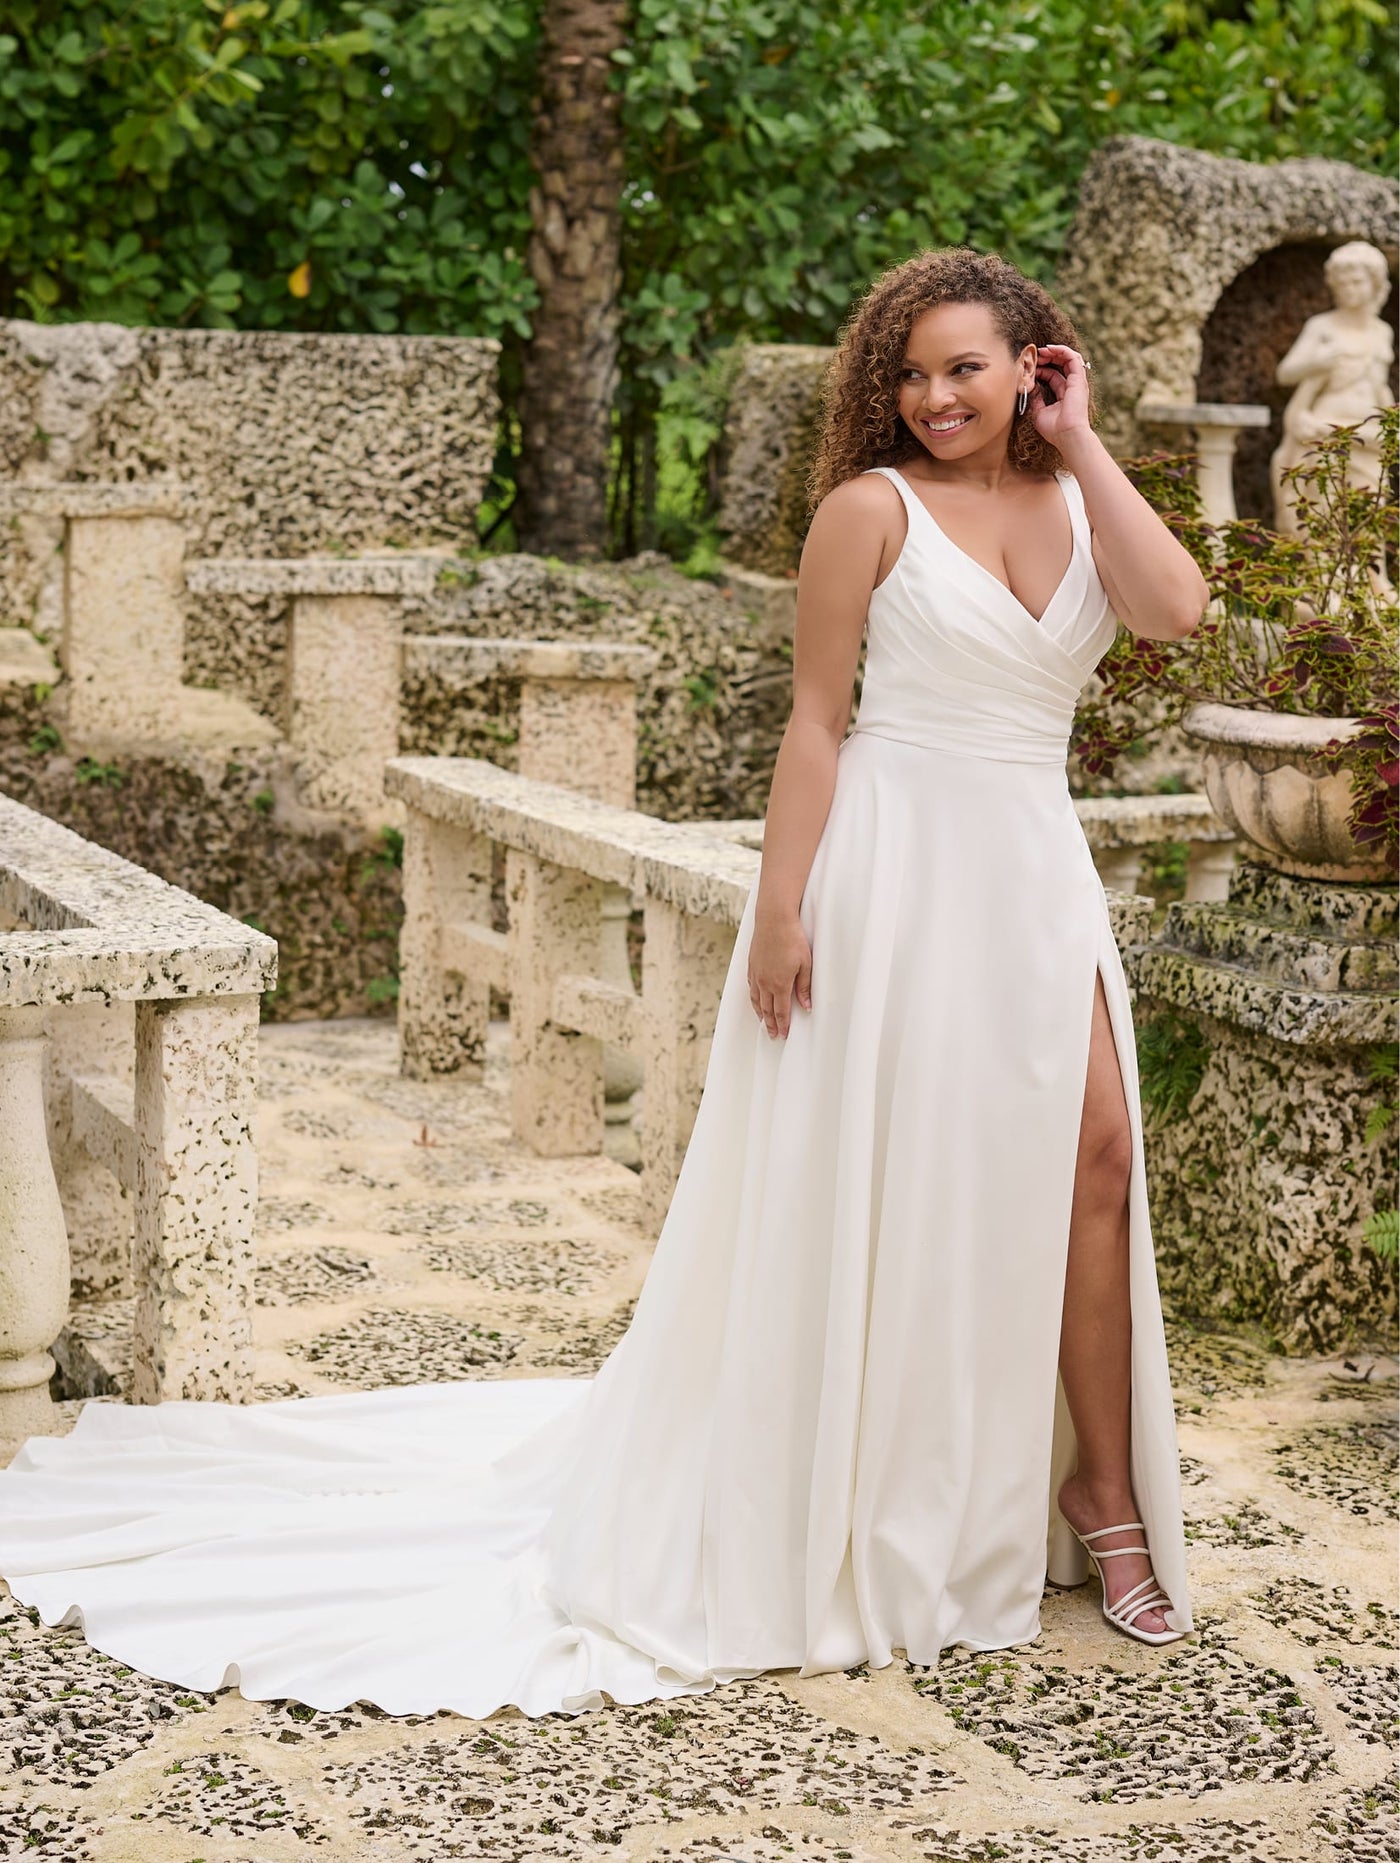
<point>1303,624</point>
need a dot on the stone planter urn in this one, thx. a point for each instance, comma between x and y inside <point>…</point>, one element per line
<point>1263,778</point>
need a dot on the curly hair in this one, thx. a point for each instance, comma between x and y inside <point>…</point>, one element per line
<point>861,426</point>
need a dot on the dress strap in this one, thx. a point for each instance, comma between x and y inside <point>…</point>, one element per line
<point>1078,510</point>
<point>900,483</point>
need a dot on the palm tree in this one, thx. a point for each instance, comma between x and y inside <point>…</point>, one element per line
<point>570,361</point>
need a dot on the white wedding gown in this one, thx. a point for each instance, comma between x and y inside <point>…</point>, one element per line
<point>835,1426</point>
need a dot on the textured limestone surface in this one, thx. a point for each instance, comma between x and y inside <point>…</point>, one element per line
<point>1269,1011</point>
<point>226,826</point>
<point>103,929</point>
<point>711,707</point>
<point>401,1232</point>
<point>285,443</point>
<point>1163,235</point>
<point>773,416</point>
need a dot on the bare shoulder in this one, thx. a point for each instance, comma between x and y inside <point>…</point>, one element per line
<point>866,506</point>
<point>868,494</point>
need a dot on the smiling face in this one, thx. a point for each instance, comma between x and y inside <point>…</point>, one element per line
<point>960,381</point>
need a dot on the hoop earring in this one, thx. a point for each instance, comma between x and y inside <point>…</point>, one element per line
<point>1021,404</point>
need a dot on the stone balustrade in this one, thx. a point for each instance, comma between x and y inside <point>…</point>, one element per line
<point>1118,828</point>
<point>121,646</point>
<point>122,650</point>
<point>563,850</point>
<point>128,1025</point>
<point>343,662</point>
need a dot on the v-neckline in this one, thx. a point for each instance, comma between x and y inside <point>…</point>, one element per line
<point>982,568</point>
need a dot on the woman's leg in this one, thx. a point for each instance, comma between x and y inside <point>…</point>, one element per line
<point>1096,1332</point>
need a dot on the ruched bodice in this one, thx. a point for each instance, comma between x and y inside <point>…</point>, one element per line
<point>955,661</point>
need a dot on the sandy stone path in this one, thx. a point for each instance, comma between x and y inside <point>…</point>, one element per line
<point>404,1237</point>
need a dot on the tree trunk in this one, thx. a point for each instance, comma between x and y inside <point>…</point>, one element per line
<point>570,362</point>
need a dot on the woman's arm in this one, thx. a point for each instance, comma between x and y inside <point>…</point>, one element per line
<point>1152,581</point>
<point>852,532</point>
<point>1154,584</point>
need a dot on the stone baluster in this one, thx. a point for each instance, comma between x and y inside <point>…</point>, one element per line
<point>577,729</point>
<point>1120,868</point>
<point>1209,865</point>
<point>556,1073</point>
<point>449,954</point>
<point>90,1056</point>
<point>196,1196</point>
<point>1216,427</point>
<point>33,1238</point>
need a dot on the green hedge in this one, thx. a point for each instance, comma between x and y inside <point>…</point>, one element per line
<point>298,164</point>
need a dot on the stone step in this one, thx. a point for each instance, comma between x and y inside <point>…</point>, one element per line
<point>1335,908</point>
<point>1284,1011</point>
<point>1285,953</point>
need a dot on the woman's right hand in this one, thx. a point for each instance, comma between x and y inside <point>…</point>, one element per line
<point>780,963</point>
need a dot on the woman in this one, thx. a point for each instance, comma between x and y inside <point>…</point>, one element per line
<point>914,1187</point>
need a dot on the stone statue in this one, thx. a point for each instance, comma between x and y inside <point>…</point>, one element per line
<point>1341,363</point>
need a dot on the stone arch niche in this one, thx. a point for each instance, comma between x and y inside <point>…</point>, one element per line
<point>1252,326</point>
<point>1188,275</point>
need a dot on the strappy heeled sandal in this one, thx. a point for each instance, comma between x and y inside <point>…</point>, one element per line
<point>1131,1604</point>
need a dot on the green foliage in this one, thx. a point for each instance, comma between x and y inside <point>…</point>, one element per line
<point>332,165</point>
<point>1382,1231</point>
<point>1304,625</point>
<point>278,164</point>
<point>46,738</point>
<point>1382,1066</point>
<point>781,152</point>
<point>88,770</point>
<point>1382,1228</point>
<point>384,858</point>
<point>702,688</point>
<point>1172,1054</point>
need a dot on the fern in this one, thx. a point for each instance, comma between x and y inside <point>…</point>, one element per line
<point>1172,1057</point>
<point>1382,1231</point>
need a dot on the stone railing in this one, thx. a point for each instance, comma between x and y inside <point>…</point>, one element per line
<point>128,1027</point>
<point>563,852</point>
<point>1118,828</point>
<point>122,641</point>
<point>121,634</point>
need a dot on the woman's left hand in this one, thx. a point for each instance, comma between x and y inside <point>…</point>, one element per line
<point>1067,373</point>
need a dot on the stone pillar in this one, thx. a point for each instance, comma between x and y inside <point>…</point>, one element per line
<point>1267,1010</point>
<point>124,625</point>
<point>1209,865</point>
<point>343,699</point>
<point>344,663</point>
<point>196,1195</point>
<point>33,1240</point>
<point>684,963</point>
<point>582,734</point>
<point>444,994</point>
<point>1216,426</point>
<point>91,1043</point>
<point>556,1074</point>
